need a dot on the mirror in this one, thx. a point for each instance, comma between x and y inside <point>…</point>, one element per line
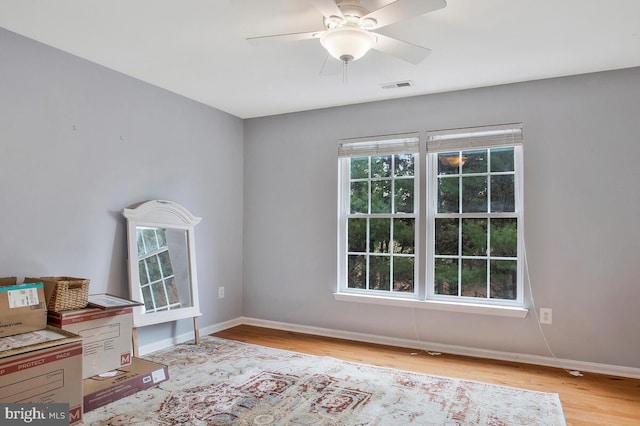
<point>163,268</point>
<point>162,263</point>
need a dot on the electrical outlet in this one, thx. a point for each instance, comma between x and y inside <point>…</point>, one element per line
<point>546,316</point>
<point>220,292</point>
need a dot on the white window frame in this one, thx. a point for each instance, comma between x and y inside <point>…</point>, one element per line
<point>425,205</point>
<point>406,143</point>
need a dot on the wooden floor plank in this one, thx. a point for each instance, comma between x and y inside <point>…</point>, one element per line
<point>592,399</point>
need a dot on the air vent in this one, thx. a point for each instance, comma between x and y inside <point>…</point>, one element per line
<point>397,85</point>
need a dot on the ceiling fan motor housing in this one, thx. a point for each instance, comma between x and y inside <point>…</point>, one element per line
<point>353,14</point>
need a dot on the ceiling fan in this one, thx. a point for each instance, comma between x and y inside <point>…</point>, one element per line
<point>350,29</point>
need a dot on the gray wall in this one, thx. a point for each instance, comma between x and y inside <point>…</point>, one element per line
<point>78,143</point>
<point>582,203</point>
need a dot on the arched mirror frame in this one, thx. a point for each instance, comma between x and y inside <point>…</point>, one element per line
<point>166,215</point>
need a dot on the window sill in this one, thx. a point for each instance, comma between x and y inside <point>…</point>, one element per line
<point>503,311</point>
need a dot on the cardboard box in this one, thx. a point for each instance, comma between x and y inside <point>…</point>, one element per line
<point>8,280</point>
<point>141,374</point>
<point>22,307</point>
<point>42,367</point>
<point>106,336</point>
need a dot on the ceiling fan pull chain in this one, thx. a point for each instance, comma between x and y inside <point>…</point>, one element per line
<point>344,72</point>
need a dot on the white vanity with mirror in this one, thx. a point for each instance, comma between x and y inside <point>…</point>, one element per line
<point>162,265</point>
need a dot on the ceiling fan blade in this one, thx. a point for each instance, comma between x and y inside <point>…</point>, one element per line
<point>403,9</point>
<point>328,8</point>
<point>401,49</point>
<point>283,38</point>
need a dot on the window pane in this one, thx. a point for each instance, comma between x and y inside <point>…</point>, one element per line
<point>146,297</point>
<point>360,168</point>
<point>446,276</point>
<point>381,166</point>
<point>357,272</point>
<point>172,291</point>
<point>380,235</point>
<point>404,232</point>
<point>404,196</point>
<point>449,163</point>
<point>150,242</point>
<point>158,294</point>
<point>502,193</point>
<point>448,194</point>
<point>474,161</point>
<point>359,197</point>
<point>502,160</point>
<point>142,272</point>
<point>474,194</point>
<point>503,279</point>
<point>474,278</point>
<point>357,230</point>
<point>504,237</point>
<point>447,236</point>
<point>379,271</point>
<point>154,268</point>
<point>381,196</point>
<point>404,165</point>
<point>162,239</point>
<point>403,268</point>
<point>165,264</point>
<point>474,237</point>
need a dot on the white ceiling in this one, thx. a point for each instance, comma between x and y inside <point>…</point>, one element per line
<point>197,48</point>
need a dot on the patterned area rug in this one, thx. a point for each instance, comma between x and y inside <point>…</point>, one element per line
<point>223,382</point>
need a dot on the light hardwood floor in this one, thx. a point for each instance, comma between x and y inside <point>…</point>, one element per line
<point>589,400</point>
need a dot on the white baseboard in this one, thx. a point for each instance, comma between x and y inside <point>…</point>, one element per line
<point>221,326</point>
<point>566,364</point>
<point>164,343</point>
<point>185,337</point>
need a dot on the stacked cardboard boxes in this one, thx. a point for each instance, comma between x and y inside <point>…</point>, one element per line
<point>79,357</point>
<point>38,364</point>
<point>109,371</point>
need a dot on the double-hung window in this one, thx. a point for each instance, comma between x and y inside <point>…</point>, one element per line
<point>378,219</point>
<point>474,214</point>
<point>470,211</point>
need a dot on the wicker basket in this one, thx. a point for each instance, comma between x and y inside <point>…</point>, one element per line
<point>64,293</point>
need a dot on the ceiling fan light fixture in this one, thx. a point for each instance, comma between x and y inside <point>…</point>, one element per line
<point>347,43</point>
